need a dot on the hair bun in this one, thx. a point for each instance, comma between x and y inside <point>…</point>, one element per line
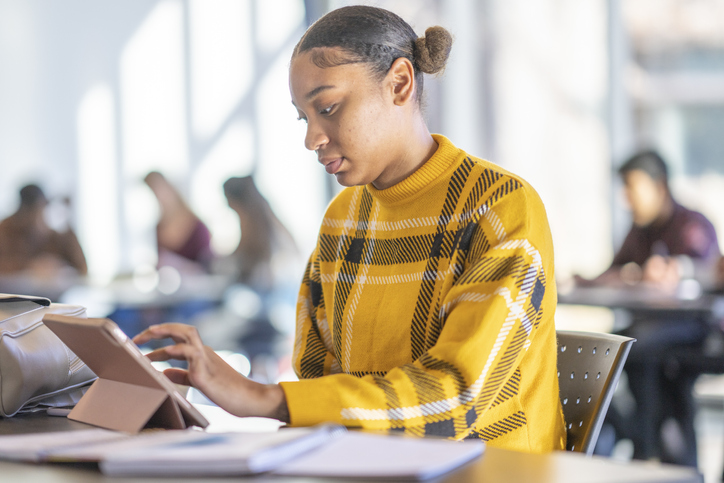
<point>432,50</point>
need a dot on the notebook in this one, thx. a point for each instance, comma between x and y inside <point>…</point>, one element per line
<point>224,454</point>
<point>367,455</point>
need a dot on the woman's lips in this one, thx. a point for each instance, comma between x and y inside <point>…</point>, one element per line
<point>333,166</point>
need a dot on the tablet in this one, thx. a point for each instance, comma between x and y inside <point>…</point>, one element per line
<point>130,393</point>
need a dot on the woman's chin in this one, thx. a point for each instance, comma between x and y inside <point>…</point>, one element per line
<point>347,181</point>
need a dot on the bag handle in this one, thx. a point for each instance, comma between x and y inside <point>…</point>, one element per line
<point>6,297</point>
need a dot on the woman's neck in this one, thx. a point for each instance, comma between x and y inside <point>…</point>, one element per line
<point>419,147</point>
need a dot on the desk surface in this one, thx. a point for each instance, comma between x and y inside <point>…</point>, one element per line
<point>495,465</point>
<point>641,299</point>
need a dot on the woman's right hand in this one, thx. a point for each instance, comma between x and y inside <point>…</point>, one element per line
<point>210,374</point>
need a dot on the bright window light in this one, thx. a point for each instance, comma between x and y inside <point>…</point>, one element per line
<point>288,174</point>
<point>222,60</point>
<point>153,94</point>
<point>276,22</point>
<point>98,181</point>
<point>141,215</point>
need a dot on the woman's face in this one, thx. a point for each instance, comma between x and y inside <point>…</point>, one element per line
<point>353,123</point>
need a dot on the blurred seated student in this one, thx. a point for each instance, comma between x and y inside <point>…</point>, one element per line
<point>665,238</point>
<point>29,245</point>
<point>180,234</point>
<point>265,269</point>
<point>264,239</point>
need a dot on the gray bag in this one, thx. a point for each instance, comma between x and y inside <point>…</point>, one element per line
<point>37,370</point>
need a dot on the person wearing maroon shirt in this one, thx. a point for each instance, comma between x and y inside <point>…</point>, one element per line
<point>665,240</point>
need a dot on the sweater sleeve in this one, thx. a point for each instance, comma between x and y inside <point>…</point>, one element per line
<point>311,357</point>
<point>487,322</point>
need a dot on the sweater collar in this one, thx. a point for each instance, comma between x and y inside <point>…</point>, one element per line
<point>446,156</point>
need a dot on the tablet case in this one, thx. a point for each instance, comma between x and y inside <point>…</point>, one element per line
<point>130,393</point>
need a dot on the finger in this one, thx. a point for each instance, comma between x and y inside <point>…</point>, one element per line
<point>181,352</point>
<point>158,355</point>
<point>160,331</point>
<point>178,376</point>
<point>177,332</point>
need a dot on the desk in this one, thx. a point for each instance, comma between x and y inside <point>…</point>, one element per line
<point>495,465</point>
<point>641,299</point>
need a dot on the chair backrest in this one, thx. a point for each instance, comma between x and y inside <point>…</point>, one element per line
<point>589,366</point>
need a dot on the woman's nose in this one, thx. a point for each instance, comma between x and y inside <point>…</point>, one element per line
<point>316,138</point>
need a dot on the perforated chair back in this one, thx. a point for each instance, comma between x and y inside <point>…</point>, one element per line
<point>589,366</point>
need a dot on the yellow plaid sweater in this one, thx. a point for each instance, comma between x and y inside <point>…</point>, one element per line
<point>428,308</point>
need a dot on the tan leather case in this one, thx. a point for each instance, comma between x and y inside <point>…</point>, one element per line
<point>130,393</point>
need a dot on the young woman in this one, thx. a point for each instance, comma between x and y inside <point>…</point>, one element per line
<point>427,306</point>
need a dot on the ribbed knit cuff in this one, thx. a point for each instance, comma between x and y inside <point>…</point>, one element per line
<point>309,403</point>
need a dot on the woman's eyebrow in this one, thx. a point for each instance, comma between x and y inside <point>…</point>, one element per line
<point>316,91</point>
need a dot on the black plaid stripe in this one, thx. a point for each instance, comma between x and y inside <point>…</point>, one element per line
<point>434,364</point>
<point>479,244</point>
<point>502,427</point>
<point>328,247</point>
<point>506,188</point>
<point>497,377</point>
<point>509,390</point>
<point>388,388</point>
<point>312,363</point>
<point>492,269</point>
<point>342,288</point>
<point>394,251</point>
<point>435,327</point>
<point>460,424</point>
<point>348,270</point>
<point>427,287</point>
<point>536,298</point>
<point>367,373</point>
<point>427,387</point>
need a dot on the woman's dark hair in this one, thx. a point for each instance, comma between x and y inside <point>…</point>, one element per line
<point>376,37</point>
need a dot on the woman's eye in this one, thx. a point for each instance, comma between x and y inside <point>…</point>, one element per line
<point>326,110</point>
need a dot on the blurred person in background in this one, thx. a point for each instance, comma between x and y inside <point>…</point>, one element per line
<point>265,241</point>
<point>265,269</point>
<point>665,238</point>
<point>28,245</point>
<point>663,245</point>
<point>180,235</point>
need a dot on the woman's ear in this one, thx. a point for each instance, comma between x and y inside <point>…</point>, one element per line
<point>401,78</point>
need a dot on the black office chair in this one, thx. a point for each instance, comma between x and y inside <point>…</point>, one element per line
<point>589,366</point>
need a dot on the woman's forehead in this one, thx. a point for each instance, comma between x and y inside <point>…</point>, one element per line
<point>307,79</point>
